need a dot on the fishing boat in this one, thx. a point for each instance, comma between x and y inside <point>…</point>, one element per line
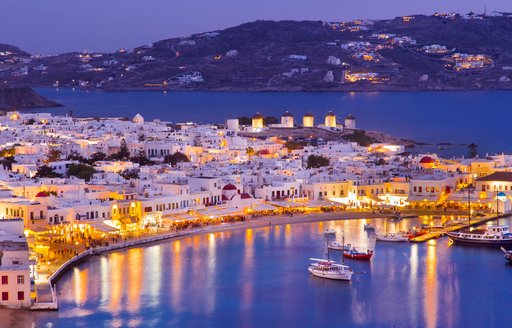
<point>368,226</point>
<point>494,236</point>
<point>508,254</point>
<point>330,270</point>
<point>395,237</point>
<point>353,253</point>
<point>416,233</point>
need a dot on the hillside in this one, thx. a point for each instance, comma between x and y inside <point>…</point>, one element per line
<point>438,52</point>
<point>22,98</point>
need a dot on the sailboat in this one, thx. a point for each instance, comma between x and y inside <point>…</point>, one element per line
<point>330,269</point>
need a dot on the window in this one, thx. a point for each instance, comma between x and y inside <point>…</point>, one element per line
<point>5,280</point>
<point>5,296</point>
<point>21,280</point>
<point>21,296</point>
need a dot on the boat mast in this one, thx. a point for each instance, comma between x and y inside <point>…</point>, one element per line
<point>327,245</point>
<point>469,205</point>
<point>343,247</point>
<point>497,208</point>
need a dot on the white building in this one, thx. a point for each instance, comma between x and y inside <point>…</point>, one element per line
<point>14,265</point>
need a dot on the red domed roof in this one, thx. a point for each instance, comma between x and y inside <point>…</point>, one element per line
<point>426,160</point>
<point>230,186</point>
<point>224,198</point>
<point>42,194</point>
<point>264,152</point>
<point>245,196</point>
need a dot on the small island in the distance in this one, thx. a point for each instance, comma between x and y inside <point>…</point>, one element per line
<point>443,51</point>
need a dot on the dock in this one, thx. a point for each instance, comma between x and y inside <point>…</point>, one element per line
<point>437,233</point>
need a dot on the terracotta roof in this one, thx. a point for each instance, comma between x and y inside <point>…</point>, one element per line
<point>245,196</point>
<point>426,160</point>
<point>497,176</point>
<point>230,186</point>
<point>42,194</point>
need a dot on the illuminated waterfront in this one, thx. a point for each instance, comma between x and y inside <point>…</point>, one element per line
<point>258,277</point>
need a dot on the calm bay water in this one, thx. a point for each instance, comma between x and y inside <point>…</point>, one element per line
<point>482,117</point>
<point>258,278</point>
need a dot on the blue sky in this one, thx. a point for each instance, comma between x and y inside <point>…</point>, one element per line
<point>51,26</point>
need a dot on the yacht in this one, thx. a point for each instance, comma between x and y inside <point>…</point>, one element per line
<point>330,270</point>
<point>496,235</point>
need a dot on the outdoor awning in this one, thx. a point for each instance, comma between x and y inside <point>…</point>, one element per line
<point>217,212</point>
<point>263,207</point>
<point>373,197</point>
<point>102,227</point>
<point>284,203</point>
<point>419,198</point>
<point>39,230</point>
<point>127,220</point>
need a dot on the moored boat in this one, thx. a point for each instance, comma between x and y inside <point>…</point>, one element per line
<point>416,233</point>
<point>493,236</point>
<point>353,253</point>
<point>336,245</point>
<point>330,232</point>
<point>368,226</point>
<point>330,270</point>
<point>396,237</point>
<point>508,254</point>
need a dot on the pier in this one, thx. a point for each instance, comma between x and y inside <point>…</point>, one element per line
<point>437,233</point>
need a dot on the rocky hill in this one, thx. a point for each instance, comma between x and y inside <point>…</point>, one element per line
<point>21,98</point>
<point>437,52</point>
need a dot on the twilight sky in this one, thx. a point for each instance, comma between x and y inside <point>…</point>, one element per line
<point>52,26</point>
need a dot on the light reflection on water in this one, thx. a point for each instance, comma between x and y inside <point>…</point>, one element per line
<point>258,277</point>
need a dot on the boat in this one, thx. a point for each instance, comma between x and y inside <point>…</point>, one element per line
<point>508,254</point>
<point>353,253</point>
<point>494,236</point>
<point>336,245</point>
<point>330,270</point>
<point>330,232</point>
<point>416,233</point>
<point>396,237</point>
<point>368,226</point>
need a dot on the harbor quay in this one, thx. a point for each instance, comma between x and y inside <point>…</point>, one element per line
<point>75,187</point>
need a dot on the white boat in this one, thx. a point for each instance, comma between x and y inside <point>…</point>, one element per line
<point>330,232</point>
<point>368,226</point>
<point>330,270</point>
<point>336,245</point>
<point>494,236</point>
<point>397,237</point>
